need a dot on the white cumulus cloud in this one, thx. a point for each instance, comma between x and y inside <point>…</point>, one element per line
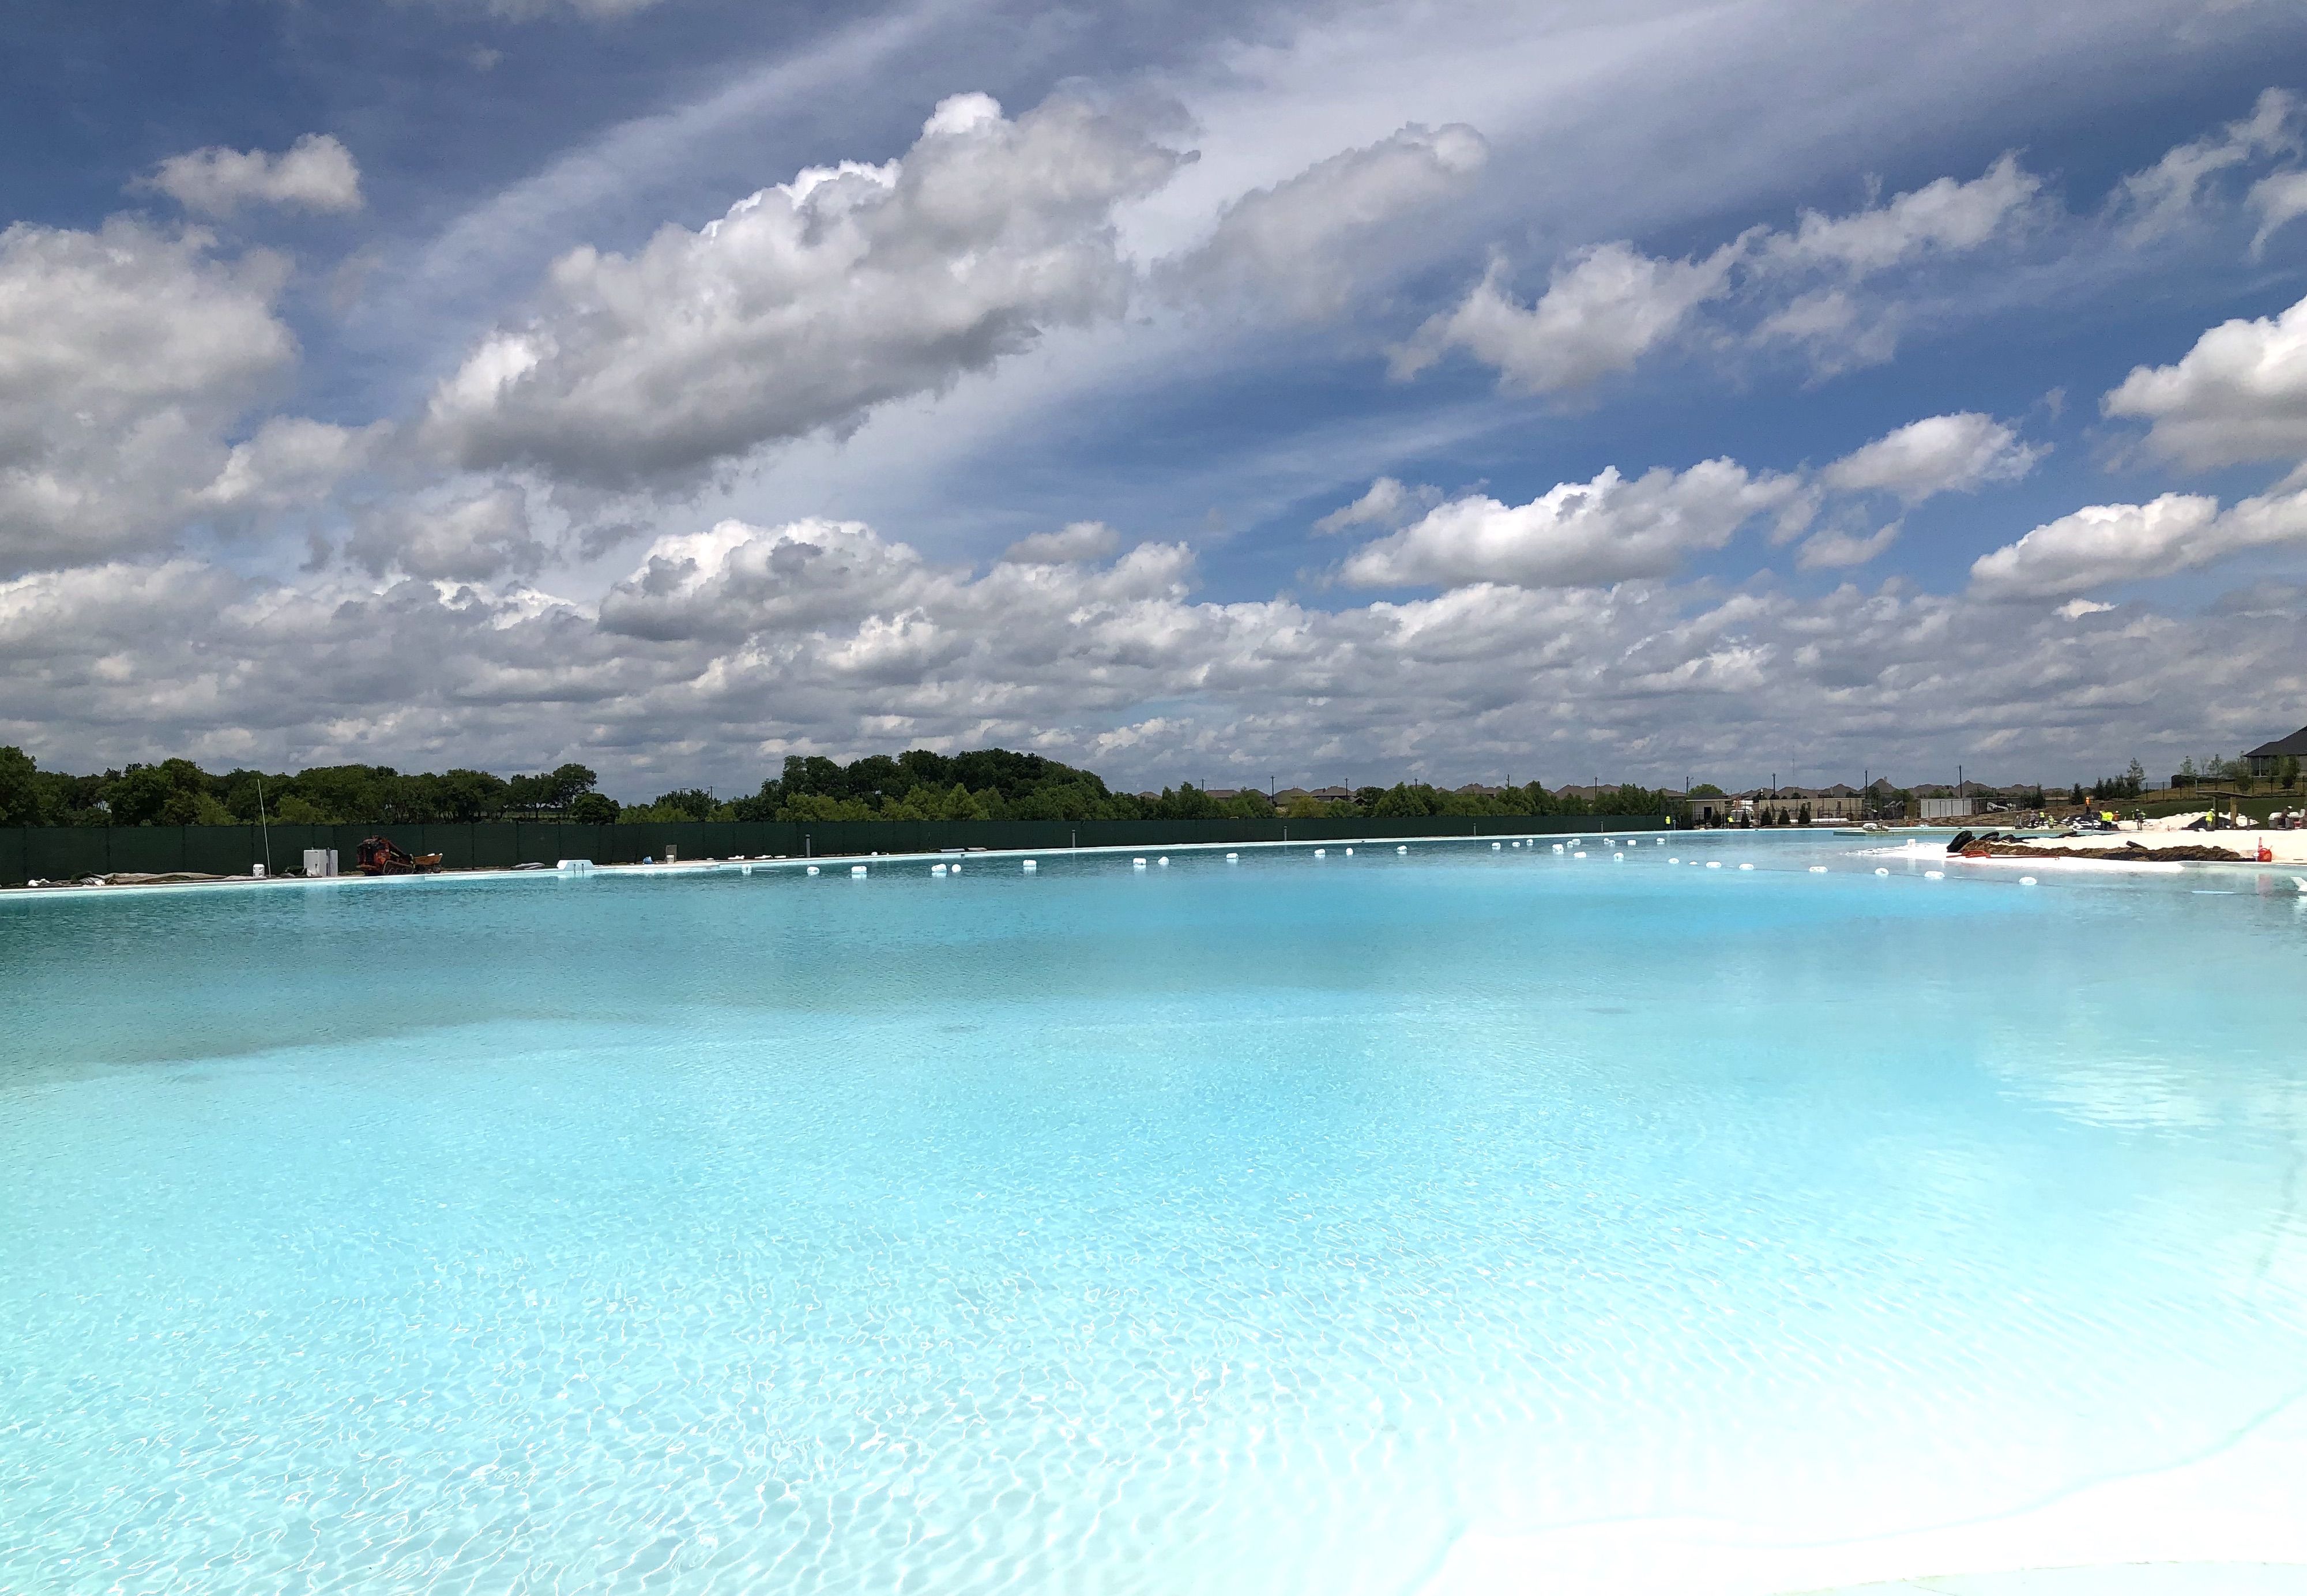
<point>1300,240</point>
<point>1942,215</point>
<point>1609,304</point>
<point>811,303</point>
<point>2102,544</point>
<point>1078,541</point>
<point>126,357</point>
<point>2240,394</point>
<point>1605,309</point>
<point>1388,504</point>
<point>290,461</point>
<point>1831,549</point>
<point>316,173</point>
<point>1607,531</point>
<point>1939,454</point>
<point>457,532</point>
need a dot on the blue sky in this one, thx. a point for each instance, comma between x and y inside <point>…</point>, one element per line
<point>1725,389</point>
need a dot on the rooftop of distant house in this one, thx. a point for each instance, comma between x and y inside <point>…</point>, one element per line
<point>2294,746</point>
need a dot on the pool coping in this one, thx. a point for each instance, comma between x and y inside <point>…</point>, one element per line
<point>795,861</point>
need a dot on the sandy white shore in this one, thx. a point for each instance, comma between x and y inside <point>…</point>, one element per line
<point>2234,1505</point>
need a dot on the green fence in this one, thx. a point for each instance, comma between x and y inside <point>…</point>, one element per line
<point>71,853</point>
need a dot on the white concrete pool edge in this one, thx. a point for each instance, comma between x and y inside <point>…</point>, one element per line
<point>797,862</point>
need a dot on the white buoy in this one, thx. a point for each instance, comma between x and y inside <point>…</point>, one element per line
<point>1714,864</point>
<point>812,870</point>
<point>1231,857</point>
<point>1403,849</point>
<point>1319,853</point>
<point>1818,870</point>
<point>1617,858</point>
<point>936,870</point>
<point>1673,861</point>
<point>1138,864</point>
<point>957,867</point>
<point>1163,862</point>
<point>1881,871</point>
<point>856,870</point>
<point>1033,865</point>
<point>1745,867</point>
<point>1935,875</point>
<point>2026,880</point>
<point>1581,853</point>
<point>1349,852</point>
<point>1558,848</point>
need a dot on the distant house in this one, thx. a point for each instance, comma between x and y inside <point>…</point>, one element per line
<point>2267,755</point>
<point>1837,803</point>
<point>1289,795</point>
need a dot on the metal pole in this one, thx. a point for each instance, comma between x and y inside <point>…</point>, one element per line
<point>265,828</point>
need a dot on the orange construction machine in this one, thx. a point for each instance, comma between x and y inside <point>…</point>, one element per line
<point>381,856</point>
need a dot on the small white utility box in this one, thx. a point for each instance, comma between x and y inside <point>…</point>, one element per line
<point>320,862</point>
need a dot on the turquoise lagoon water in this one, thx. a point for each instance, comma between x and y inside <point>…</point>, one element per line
<point>1270,1226</point>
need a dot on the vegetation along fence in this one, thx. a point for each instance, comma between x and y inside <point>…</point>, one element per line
<point>71,853</point>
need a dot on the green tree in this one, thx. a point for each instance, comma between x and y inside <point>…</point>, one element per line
<point>348,793</point>
<point>22,801</point>
<point>593,809</point>
<point>819,806</point>
<point>962,805</point>
<point>689,803</point>
<point>1185,804</point>
<point>469,795</point>
<point>167,793</point>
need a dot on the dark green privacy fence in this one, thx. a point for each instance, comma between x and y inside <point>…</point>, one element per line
<point>68,852</point>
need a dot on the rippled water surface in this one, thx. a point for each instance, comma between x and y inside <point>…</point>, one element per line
<point>1252,1227</point>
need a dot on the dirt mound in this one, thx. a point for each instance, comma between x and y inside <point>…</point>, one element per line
<point>2184,853</point>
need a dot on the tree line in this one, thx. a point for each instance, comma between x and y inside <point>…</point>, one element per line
<point>989,784</point>
<point>179,792</point>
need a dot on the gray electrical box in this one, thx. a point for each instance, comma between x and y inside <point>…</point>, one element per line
<point>320,862</point>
